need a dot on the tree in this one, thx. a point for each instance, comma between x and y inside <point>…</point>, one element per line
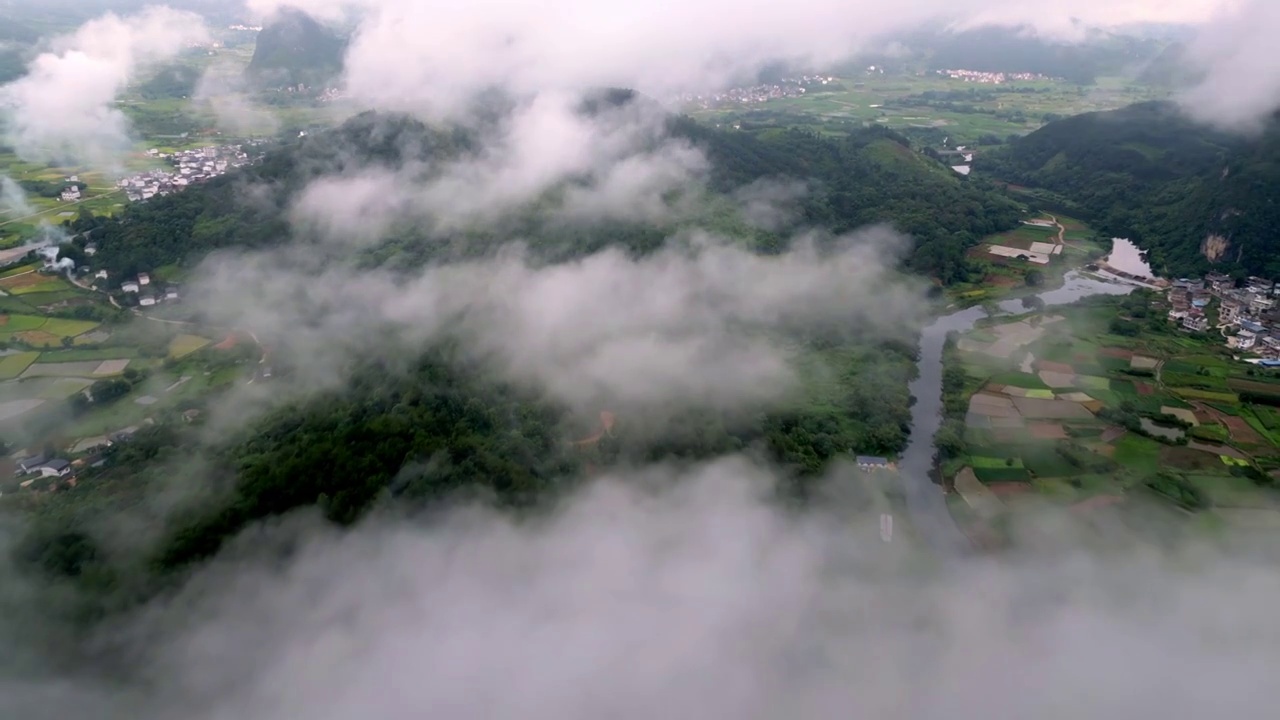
<point>1034,278</point>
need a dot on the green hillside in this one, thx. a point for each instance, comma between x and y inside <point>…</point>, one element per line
<point>870,176</point>
<point>1195,197</point>
<point>293,48</point>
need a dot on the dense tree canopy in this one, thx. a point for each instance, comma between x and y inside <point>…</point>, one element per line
<point>1194,197</point>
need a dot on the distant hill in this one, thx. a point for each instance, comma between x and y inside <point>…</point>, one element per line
<point>1005,49</point>
<point>870,176</point>
<point>293,48</point>
<point>1194,196</point>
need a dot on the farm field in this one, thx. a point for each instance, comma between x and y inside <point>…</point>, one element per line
<point>1082,418</point>
<point>927,101</point>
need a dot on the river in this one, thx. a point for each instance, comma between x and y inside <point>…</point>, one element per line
<point>925,501</point>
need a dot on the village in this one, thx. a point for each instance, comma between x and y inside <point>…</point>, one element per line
<point>1247,317</point>
<point>190,167</point>
<point>787,88</point>
<point>990,78</point>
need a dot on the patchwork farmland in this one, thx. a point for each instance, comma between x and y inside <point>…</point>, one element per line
<point>1075,414</point>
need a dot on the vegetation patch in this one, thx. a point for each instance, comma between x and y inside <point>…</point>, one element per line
<point>1195,394</point>
<point>1040,394</point>
<point>43,285</point>
<point>1233,461</point>
<point>20,270</point>
<point>980,461</point>
<point>1002,474</point>
<point>11,366</point>
<point>18,323</point>
<point>1211,432</point>
<point>1023,380</point>
<point>68,328</point>
<point>82,354</point>
<point>184,345</point>
<point>1137,452</point>
<point>1093,382</point>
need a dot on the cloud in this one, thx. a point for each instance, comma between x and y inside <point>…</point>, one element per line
<point>671,592</point>
<point>432,58</point>
<point>1238,69</point>
<point>700,323</point>
<point>63,109</point>
<point>222,89</point>
<point>13,199</point>
<point>616,162</point>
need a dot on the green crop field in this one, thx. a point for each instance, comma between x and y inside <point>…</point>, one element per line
<point>11,366</point>
<point>1092,382</point>
<point>20,270</point>
<point>1221,397</point>
<point>1023,380</point>
<point>19,323</point>
<point>82,354</point>
<point>1137,452</point>
<point>68,328</point>
<point>184,345</point>
<point>1045,461</point>
<point>978,461</point>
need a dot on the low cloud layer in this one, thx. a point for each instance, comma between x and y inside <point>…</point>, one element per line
<point>432,58</point>
<point>1239,69</point>
<point>618,163</point>
<point>63,109</point>
<point>701,322</point>
<point>685,593</point>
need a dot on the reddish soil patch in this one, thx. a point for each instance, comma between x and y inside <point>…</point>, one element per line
<point>38,337</point>
<point>4,320</point>
<point>1056,367</point>
<point>1143,388</point>
<point>1187,459</point>
<point>1117,353</point>
<point>18,282</point>
<point>1047,431</point>
<point>606,428</point>
<point>229,342</point>
<point>1002,281</point>
<point>1005,489</point>
<point>1094,406</point>
<point>1239,429</point>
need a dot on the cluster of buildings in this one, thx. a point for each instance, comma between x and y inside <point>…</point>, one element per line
<point>71,193</point>
<point>1248,316</point>
<point>787,88</point>
<point>990,78</point>
<point>190,167</point>
<point>148,296</point>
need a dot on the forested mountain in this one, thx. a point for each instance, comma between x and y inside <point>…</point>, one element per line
<point>1014,49</point>
<point>448,426</point>
<point>1195,197</point>
<point>870,176</point>
<point>294,48</point>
